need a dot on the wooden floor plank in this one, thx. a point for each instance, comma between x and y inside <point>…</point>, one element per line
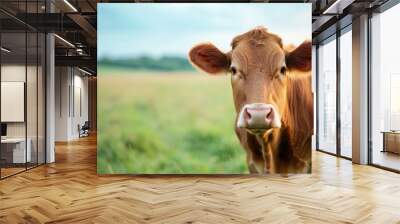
<point>70,191</point>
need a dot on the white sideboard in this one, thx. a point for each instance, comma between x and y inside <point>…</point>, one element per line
<point>18,145</point>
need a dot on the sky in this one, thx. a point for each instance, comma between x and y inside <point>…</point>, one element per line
<point>160,29</point>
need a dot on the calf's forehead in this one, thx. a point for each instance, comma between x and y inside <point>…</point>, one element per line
<point>251,54</point>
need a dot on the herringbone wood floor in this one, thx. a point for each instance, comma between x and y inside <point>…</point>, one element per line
<point>69,191</point>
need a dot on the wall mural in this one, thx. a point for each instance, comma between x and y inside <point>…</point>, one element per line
<point>204,88</point>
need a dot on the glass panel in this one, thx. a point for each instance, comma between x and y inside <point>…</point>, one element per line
<point>31,100</point>
<point>346,94</point>
<point>41,99</point>
<point>327,97</point>
<point>31,87</point>
<point>385,84</point>
<point>13,76</point>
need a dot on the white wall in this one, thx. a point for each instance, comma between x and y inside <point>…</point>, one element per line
<point>12,73</point>
<point>70,84</point>
<point>62,81</point>
<point>81,100</point>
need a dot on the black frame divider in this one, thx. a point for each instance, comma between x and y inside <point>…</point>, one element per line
<point>369,78</point>
<point>37,91</point>
<point>316,97</point>
<point>26,88</point>
<point>338,73</point>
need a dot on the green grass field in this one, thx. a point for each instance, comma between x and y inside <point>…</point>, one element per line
<point>154,123</point>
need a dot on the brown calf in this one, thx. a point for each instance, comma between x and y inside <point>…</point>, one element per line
<point>272,95</point>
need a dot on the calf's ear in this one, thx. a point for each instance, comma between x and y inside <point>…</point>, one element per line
<point>209,58</point>
<point>300,58</point>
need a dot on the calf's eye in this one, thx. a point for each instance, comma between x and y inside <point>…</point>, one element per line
<point>233,70</point>
<point>283,70</point>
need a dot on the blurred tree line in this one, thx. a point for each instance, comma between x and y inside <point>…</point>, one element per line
<point>165,63</point>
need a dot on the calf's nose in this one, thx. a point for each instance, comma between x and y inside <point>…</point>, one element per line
<point>257,116</point>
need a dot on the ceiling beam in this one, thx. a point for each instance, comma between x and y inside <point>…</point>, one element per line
<point>86,26</point>
<point>49,22</point>
<point>337,6</point>
<point>320,22</point>
<point>81,61</point>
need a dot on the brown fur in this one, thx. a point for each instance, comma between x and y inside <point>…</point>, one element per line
<point>258,34</point>
<point>209,58</point>
<point>258,56</point>
<point>300,113</point>
<point>292,142</point>
<point>300,57</point>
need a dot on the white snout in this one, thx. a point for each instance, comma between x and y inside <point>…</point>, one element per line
<point>259,116</point>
